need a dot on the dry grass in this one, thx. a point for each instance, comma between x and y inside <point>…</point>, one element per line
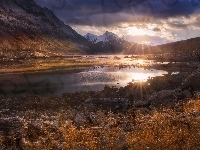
<point>47,65</point>
<point>157,129</point>
<point>1,140</point>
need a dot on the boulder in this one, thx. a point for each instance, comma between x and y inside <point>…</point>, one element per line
<point>10,129</point>
<point>80,119</point>
<point>108,103</point>
<point>192,82</point>
<point>163,98</point>
<point>169,97</point>
<point>187,94</point>
<point>93,118</point>
<point>182,95</point>
<point>141,104</point>
<point>10,126</point>
<point>197,94</point>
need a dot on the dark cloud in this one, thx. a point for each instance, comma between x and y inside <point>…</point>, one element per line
<point>196,22</point>
<point>178,24</point>
<point>112,12</point>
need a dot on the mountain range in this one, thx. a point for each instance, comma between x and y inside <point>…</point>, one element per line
<point>106,37</point>
<point>112,43</point>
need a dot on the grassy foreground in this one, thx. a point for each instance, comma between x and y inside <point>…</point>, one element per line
<point>163,128</point>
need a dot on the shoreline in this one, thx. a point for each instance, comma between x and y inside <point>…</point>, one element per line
<point>65,64</point>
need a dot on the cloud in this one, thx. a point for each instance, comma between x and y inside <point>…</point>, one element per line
<point>161,20</point>
<point>147,39</point>
<point>92,12</point>
<point>156,30</point>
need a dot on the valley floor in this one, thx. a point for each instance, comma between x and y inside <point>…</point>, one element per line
<point>163,113</point>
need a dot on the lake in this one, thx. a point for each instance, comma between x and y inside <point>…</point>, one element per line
<point>123,71</point>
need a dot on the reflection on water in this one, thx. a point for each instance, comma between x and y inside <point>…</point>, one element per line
<point>140,77</point>
<point>117,77</point>
<point>127,69</point>
<point>90,79</point>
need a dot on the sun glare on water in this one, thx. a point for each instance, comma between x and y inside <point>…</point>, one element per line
<point>140,61</point>
<point>139,77</point>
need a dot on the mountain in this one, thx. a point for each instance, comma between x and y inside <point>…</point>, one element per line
<point>111,43</point>
<point>106,37</point>
<point>185,50</point>
<point>92,38</point>
<point>27,30</point>
<point>187,46</point>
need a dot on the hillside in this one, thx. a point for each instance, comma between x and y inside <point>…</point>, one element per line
<point>186,50</point>
<point>27,30</point>
<point>189,45</point>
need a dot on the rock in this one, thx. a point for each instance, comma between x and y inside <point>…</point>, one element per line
<point>34,131</point>
<point>169,97</point>
<point>10,129</point>
<point>187,94</point>
<point>109,103</point>
<point>112,122</point>
<point>195,113</point>
<point>10,126</point>
<point>197,94</point>
<point>183,95</point>
<point>93,118</point>
<point>140,104</point>
<point>192,82</point>
<point>81,148</point>
<point>143,111</point>
<point>80,119</point>
<point>198,118</point>
<point>122,145</point>
<point>164,98</point>
<point>127,126</point>
<point>68,123</point>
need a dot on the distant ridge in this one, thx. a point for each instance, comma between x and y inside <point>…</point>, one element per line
<point>189,45</point>
<point>185,50</point>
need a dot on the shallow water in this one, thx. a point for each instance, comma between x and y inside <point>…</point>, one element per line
<point>124,69</point>
<point>90,79</point>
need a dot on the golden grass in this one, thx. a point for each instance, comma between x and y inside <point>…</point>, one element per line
<point>48,65</point>
<point>160,129</point>
<point>1,140</point>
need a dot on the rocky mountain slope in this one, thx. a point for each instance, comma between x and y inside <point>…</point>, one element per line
<point>27,29</point>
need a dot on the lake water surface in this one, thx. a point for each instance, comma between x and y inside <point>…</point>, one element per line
<point>79,79</point>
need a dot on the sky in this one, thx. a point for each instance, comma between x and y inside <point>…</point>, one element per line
<point>151,22</point>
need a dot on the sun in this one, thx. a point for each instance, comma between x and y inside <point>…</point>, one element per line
<point>139,77</point>
<point>136,31</point>
<point>140,61</point>
<point>142,31</point>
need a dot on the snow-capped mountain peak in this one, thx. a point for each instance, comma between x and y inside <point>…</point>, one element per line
<point>91,37</point>
<point>106,37</point>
